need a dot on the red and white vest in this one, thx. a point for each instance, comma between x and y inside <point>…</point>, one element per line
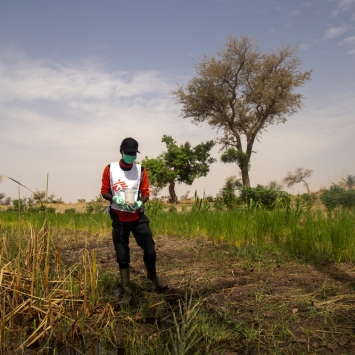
<point>121,180</point>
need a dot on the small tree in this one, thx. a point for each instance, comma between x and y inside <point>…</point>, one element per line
<point>155,189</point>
<point>30,201</point>
<point>39,195</point>
<point>299,175</point>
<point>180,163</point>
<point>19,205</point>
<point>51,198</point>
<point>7,201</point>
<point>2,196</point>
<point>185,196</point>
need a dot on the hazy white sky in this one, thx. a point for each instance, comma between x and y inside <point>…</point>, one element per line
<point>77,77</point>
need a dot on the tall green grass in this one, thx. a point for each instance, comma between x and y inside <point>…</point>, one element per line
<point>92,222</point>
<point>310,233</point>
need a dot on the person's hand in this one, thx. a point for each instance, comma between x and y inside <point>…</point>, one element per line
<point>118,200</point>
<point>126,208</point>
<point>138,204</point>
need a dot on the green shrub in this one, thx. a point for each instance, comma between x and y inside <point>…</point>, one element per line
<point>337,196</point>
<point>70,210</point>
<point>172,209</point>
<point>331,198</point>
<point>89,208</point>
<point>261,196</point>
<point>227,198</point>
<point>347,199</point>
<point>18,205</point>
<point>209,198</point>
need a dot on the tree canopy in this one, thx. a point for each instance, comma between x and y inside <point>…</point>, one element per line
<point>240,91</point>
<point>349,182</point>
<point>179,163</point>
<point>299,175</point>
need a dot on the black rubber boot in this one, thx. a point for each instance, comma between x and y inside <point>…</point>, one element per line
<point>126,284</point>
<point>152,275</point>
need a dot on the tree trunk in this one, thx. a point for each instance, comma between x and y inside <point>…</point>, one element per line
<point>173,197</point>
<point>308,191</point>
<point>245,178</point>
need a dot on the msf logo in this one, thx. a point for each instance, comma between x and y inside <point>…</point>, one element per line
<point>119,185</point>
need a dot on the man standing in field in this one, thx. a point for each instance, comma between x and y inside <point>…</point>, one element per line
<point>116,179</point>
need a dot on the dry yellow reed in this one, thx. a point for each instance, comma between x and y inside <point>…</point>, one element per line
<point>93,279</point>
<point>35,290</point>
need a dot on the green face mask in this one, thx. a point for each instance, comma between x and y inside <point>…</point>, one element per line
<point>129,159</point>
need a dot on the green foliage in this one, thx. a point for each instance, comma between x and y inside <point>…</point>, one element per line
<point>18,205</point>
<point>227,197</point>
<point>200,204</point>
<point>172,209</point>
<point>232,155</point>
<point>209,198</point>
<point>261,196</point>
<point>41,209</point>
<point>81,200</point>
<point>308,200</point>
<point>158,171</point>
<point>179,163</point>
<point>349,181</point>
<point>337,196</point>
<point>26,205</point>
<point>70,211</point>
<point>89,208</point>
<point>274,185</point>
<point>347,199</point>
<point>96,206</point>
<point>153,208</point>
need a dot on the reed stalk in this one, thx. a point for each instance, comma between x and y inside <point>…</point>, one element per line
<point>93,279</point>
<point>85,305</point>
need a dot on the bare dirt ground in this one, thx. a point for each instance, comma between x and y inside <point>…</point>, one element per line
<point>267,304</point>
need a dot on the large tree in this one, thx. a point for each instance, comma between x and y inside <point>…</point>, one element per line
<point>179,163</point>
<point>241,91</point>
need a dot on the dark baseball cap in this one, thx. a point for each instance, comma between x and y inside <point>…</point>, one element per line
<point>129,145</point>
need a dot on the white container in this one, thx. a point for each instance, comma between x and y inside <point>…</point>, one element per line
<point>129,197</point>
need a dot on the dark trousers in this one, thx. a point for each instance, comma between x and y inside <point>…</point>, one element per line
<point>143,235</point>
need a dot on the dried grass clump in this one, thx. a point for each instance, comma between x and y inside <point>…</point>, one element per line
<point>39,296</point>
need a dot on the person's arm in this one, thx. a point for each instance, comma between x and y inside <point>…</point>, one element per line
<point>145,187</point>
<point>144,199</point>
<point>106,186</point>
<point>107,196</point>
